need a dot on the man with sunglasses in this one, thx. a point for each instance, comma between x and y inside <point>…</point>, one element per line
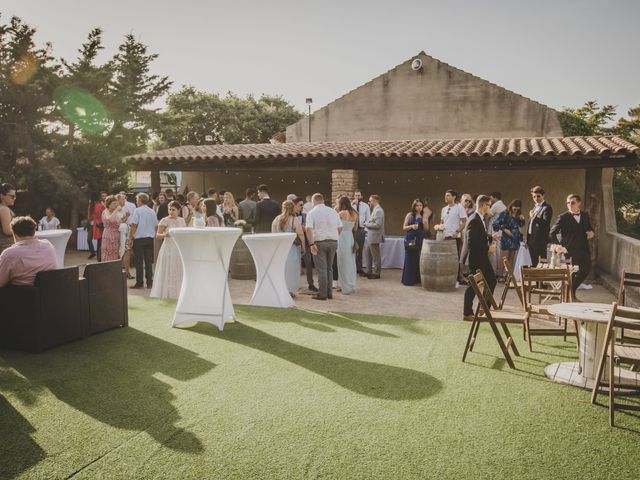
<point>539,225</point>
<point>575,230</point>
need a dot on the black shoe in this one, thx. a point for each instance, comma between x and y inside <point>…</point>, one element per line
<point>373,276</point>
<point>463,282</point>
<point>318,297</point>
<point>330,297</point>
<point>149,284</point>
<point>92,256</point>
<point>313,288</point>
<point>364,274</point>
<point>136,286</point>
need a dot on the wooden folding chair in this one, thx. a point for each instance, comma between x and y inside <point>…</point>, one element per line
<point>627,279</point>
<point>510,283</point>
<point>530,279</point>
<point>488,312</point>
<point>621,317</point>
<point>548,290</point>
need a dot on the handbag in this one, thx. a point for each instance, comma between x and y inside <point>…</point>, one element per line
<point>411,245</point>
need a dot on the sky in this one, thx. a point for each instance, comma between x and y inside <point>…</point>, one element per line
<point>560,53</point>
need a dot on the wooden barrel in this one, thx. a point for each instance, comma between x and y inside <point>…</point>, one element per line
<point>241,266</point>
<point>439,265</point>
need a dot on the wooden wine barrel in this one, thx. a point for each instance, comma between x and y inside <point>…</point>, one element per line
<point>439,265</point>
<point>241,266</point>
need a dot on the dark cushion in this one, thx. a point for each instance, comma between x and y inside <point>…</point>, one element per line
<point>107,296</point>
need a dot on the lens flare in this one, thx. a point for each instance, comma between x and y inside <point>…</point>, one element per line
<point>83,110</point>
<point>24,68</point>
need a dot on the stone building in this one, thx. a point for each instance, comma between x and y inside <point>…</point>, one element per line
<point>413,132</point>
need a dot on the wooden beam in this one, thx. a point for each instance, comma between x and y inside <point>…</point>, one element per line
<point>593,205</point>
<point>155,181</point>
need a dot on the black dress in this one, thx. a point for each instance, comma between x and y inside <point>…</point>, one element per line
<point>411,270</point>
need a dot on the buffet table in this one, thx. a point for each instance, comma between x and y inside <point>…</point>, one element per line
<point>391,253</point>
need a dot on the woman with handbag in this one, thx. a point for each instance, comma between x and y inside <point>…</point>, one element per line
<point>415,225</point>
<point>288,222</point>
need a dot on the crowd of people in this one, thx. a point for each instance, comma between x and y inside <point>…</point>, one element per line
<point>337,242</point>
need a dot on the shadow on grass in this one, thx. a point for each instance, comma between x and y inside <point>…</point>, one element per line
<point>366,378</point>
<point>111,377</point>
<point>331,321</point>
<point>18,451</point>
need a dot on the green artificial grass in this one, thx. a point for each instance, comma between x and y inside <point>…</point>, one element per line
<point>301,394</point>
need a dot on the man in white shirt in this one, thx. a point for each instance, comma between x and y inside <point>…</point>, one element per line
<point>454,218</point>
<point>142,232</point>
<point>323,227</point>
<point>364,214</point>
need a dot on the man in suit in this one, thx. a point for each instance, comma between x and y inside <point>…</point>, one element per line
<point>374,237</point>
<point>364,213</point>
<point>539,225</point>
<point>266,210</point>
<point>575,230</point>
<point>475,251</point>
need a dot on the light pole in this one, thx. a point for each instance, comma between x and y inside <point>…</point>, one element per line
<point>309,101</point>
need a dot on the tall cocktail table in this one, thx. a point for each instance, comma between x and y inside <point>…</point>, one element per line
<point>57,238</point>
<point>592,319</point>
<point>204,295</point>
<point>270,251</point>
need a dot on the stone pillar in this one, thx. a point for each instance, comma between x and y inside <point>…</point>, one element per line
<point>593,205</point>
<point>155,181</point>
<point>343,182</point>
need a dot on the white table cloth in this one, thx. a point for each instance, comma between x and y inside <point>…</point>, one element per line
<point>81,239</point>
<point>204,295</point>
<point>391,253</point>
<point>523,259</point>
<point>592,321</point>
<point>57,238</point>
<point>270,251</point>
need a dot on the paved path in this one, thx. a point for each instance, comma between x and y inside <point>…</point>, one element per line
<point>386,296</point>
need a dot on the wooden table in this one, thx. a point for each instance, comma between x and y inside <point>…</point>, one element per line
<point>592,319</point>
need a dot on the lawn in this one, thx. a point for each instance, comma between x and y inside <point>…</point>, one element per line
<point>301,394</point>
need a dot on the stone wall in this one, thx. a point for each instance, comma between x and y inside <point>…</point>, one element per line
<point>440,101</point>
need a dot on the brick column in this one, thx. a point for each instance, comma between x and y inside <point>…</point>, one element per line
<point>343,182</point>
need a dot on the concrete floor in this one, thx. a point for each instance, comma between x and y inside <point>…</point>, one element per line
<point>386,296</point>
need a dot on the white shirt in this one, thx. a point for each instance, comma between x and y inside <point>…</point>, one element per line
<point>129,208</point>
<point>52,225</point>
<point>325,222</point>
<point>451,216</point>
<point>146,220</point>
<point>534,212</point>
<point>307,207</point>
<point>364,213</point>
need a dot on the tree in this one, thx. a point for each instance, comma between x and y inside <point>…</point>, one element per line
<point>590,119</point>
<point>192,116</point>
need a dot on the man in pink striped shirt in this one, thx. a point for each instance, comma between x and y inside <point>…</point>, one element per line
<point>20,263</point>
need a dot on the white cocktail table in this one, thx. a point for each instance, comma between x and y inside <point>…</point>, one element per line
<point>204,295</point>
<point>270,251</point>
<point>57,238</point>
<point>592,321</point>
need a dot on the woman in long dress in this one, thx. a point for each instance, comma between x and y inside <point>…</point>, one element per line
<point>288,222</point>
<point>111,219</point>
<point>415,226</point>
<point>346,253</point>
<point>168,276</point>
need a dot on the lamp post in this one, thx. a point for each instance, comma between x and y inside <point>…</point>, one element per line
<point>309,101</point>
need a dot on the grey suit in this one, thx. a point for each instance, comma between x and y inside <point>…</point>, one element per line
<point>375,236</point>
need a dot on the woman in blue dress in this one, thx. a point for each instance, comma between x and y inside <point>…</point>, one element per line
<point>346,254</point>
<point>288,222</point>
<point>509,223</point>
<point>415,225</point>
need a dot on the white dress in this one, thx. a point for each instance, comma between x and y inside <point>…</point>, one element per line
<point>123,228</point>
<point>167,279</point>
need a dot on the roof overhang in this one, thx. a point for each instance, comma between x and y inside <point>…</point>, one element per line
<point>471,154</point>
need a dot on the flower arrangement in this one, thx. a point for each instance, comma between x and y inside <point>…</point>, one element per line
<point>439,227</point>
<point>557,249</point>
<point>240,223</point>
